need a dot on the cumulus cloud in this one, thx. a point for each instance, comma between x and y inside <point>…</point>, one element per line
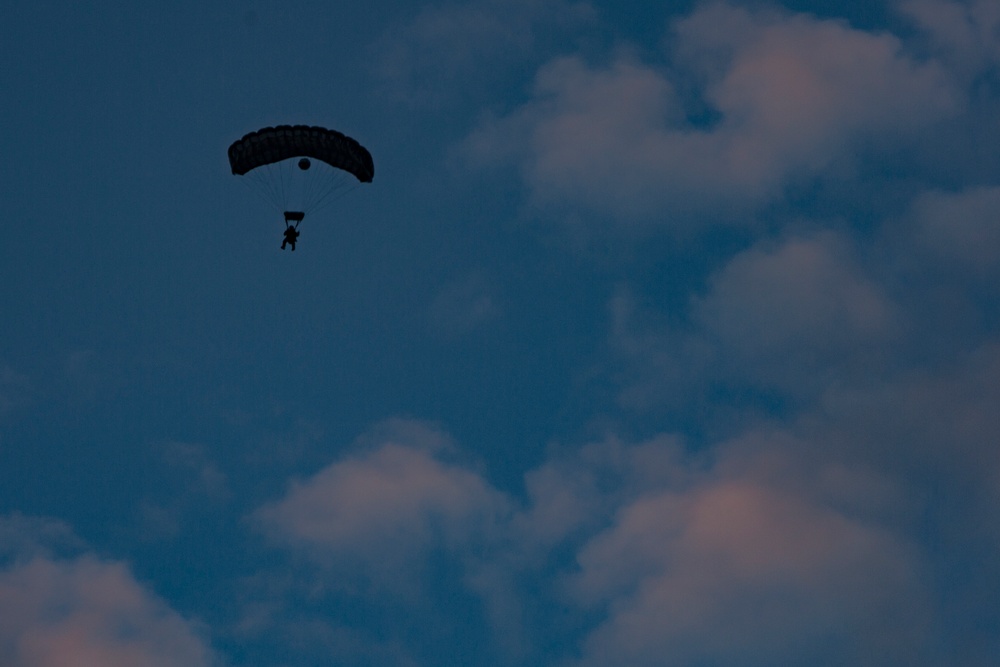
<point>738,571</point>
<point>759,551</point>
<point>82,611</point>
<point>792,94</point>
<point>386,506</point>
<point>793,309</point>
<point>766,551</point>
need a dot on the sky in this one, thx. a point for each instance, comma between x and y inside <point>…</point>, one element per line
<point>666,335</point>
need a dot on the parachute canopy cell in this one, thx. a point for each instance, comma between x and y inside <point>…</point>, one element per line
<point>274,144</point>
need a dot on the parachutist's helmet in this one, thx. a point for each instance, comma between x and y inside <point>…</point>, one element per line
<point>304,163</point>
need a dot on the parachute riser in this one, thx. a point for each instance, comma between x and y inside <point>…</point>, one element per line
<point>293,216</point>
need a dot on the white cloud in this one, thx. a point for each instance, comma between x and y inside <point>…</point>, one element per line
<point>794,95</point>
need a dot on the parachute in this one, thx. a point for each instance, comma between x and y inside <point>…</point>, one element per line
<point>277,161</point>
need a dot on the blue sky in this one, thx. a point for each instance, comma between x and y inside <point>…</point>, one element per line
<point>666,335</point>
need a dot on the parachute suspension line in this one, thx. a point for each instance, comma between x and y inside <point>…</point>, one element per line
<point>314,183</point>
<point>307,180</point>
<point>265,178</point>
<point>269,184</point>
<point>332,191</point>
<point>262,189</point>
<point>283,185</point>
<point>280,167</point>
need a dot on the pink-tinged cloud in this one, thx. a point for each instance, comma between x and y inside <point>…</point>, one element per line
<point>768,550</point>
<point>794,95</point>
<point>741,571</point>
<point>781,546</point>
<point>89,613</point>
<point>386,505</point>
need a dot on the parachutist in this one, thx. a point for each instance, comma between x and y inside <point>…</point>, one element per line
<point>327,155</point>
<point>291,236</point>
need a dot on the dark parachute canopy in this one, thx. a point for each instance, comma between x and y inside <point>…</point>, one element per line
<point>273,144</point>
<point>276,160</point>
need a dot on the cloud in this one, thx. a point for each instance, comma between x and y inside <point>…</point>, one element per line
<point>463,306</point>
<point>771,548</point>
<point>574,494</point>
<point>792,95</point>
<point>461,46</point>
<point>938,426</point>
<point>738,571</point>
<point>788,316</point>
<point>385,507</point>
<point>64,612</point>
<point>966,33</point>
<point>895,463</point>
<point>196,484</point>
<point>25,537</point>
<point>766,550</point>
<point>960,229</point>
<point>787,312</point>
<point>205,477</point>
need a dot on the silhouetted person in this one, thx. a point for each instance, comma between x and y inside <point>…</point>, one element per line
<point>291,236</point>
